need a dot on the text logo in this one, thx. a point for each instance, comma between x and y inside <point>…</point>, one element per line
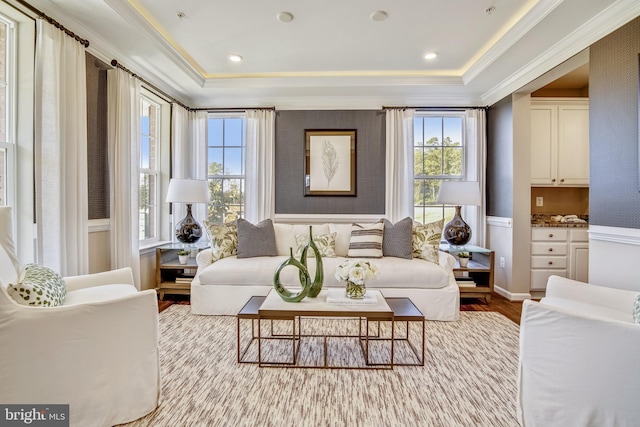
<point>34,415</point>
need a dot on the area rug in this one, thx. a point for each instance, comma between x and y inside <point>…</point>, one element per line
<point>469,379</point>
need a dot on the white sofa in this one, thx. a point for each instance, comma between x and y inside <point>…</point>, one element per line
<point>579,351</point>
<point>224,286</point>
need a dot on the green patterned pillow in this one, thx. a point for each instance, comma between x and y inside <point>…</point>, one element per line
<point>224,238</point>
<point>636,310</point>
<point>426,241</point>
<point>39,286</point>
<point>326,244</point>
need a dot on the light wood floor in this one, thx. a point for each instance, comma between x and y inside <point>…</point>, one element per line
<point>510,309</point>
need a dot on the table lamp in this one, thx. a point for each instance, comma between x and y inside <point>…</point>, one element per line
<point>188,191</point>
<point>458,193</point>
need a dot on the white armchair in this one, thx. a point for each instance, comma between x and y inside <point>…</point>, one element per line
<point>98,352</point>
<point>579,357</point>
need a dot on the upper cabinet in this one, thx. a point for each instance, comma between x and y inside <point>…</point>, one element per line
<point>560,141</point>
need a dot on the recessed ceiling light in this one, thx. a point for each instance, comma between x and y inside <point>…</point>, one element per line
<point>234,57</point>
<point>430,55</point>
<point>285,17</point>
<point>379,15</point>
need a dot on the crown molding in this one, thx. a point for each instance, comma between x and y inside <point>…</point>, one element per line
<point>537,13</point>
<point>132,15</point>
<point>612,18</point>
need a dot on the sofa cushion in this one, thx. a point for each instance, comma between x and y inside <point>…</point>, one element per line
<point>224,238</point>
<point>426,240</point>
<point>326,244</point>
<point>397,241</point>
<point>256,240</point>
<point>394,273</point>
<point>286,235</point>
<point>366,240</point>
<point>38,286</point>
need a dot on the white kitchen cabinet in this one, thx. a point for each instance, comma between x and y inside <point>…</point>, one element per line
<point>560,142</point>
<point>558,251</point>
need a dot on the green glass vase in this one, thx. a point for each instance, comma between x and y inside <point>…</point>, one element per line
<point>305,281</point>
<point>318,280</point>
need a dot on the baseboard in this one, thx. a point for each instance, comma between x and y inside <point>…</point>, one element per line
<point>510,295</point>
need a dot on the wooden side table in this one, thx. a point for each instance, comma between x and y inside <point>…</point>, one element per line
<point>480,270</point>
<point>171,276</point>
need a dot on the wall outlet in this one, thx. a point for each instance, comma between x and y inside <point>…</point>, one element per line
<point>539,201</point>
<point>503,262</point>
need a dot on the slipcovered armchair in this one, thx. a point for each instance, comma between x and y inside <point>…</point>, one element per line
<point>98,352</point>
<point>579,357</point>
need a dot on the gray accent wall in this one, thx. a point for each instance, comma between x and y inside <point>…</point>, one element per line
<point>614,197</point>
<point>290,157</point>
<point>500,159</point>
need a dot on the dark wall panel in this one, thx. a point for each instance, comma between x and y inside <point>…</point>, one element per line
<point>370,162</point>
<point>614,197</point>
<point>500,159</point>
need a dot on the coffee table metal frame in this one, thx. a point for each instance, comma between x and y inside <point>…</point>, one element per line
<point>402,310</point>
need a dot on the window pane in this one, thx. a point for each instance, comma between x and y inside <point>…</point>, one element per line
<point>418,161</point>
<point>234,132</point>
<point>452,129</point>
<point>144,152</point>
<point>453,161</point>
<point>216,156</point>
<point>432,130</point>
<point>233,161</point>
<point>433,161</point>
<point>214,132</point>
<point>417,132</point>
<point>432,214</point>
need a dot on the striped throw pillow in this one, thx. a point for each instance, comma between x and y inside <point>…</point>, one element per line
<point>366,240</point>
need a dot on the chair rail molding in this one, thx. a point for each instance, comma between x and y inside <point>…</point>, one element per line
<point>628,236</point>
<point>322,218</point>
<point>98,225</point>
<point>498,221</point>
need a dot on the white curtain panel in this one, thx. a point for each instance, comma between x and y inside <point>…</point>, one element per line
<point>399,164</point>
<point>188,154</point>
<point>61,152</point>
<point>476,170</point>
<point>123,112</point>
<point>259,165</point>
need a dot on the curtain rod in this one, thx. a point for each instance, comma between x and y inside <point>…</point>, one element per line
<point>55,23</point>
<point>225,109</point>
<point>435,108</point>
<point>163,94</point>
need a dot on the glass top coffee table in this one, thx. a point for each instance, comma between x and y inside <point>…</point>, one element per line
<point>313,310</point>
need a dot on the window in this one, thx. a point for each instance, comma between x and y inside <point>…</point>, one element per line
<point>6,92</point>
<point>226,155</point>
<point>149,193</point>
<point>438,155</point>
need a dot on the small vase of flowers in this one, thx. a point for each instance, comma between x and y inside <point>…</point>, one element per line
<point>183,256</point>
<point>463,259</point>
<point>356,273</point>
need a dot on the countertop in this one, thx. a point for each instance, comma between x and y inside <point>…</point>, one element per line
<point>546,220</point>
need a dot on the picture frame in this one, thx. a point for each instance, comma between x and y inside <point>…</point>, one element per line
<point>330,162</point>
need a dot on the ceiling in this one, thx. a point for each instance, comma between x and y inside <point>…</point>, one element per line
<point>337,53</point>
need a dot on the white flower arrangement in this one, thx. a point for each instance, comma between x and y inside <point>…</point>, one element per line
<point>357,271</point>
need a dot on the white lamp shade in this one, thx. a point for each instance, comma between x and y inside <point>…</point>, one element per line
<point>459,193</point>
<point>187,191</point>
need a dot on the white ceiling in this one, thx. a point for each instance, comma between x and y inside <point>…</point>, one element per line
<point>332,54</point>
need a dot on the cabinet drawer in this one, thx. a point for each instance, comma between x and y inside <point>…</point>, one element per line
<point>548,248</point>
<point>549,262</point>
<point>539,278</point>
<point>580,235</point>
<point>549,234</point>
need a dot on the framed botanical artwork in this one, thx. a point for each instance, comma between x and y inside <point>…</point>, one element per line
<point>330,163</point>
